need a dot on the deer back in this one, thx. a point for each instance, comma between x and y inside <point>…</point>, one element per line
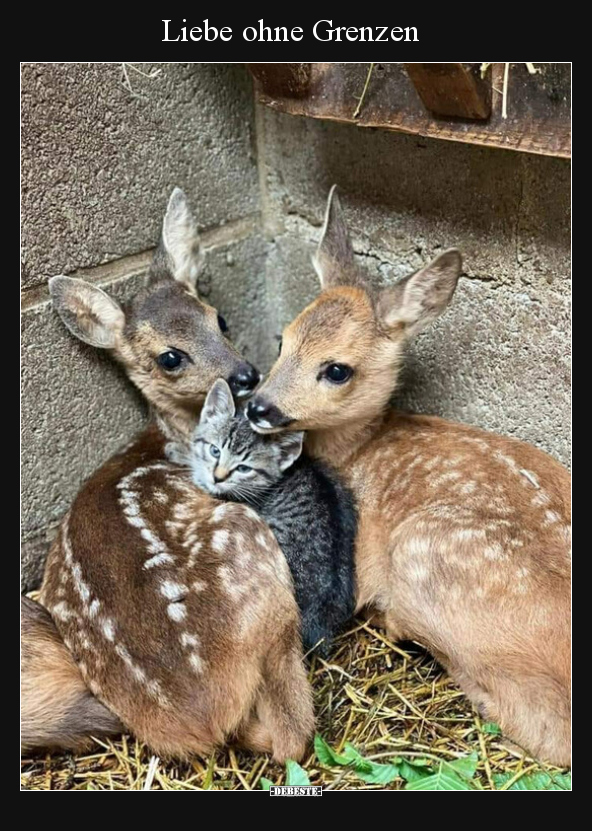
<point>168,600</point>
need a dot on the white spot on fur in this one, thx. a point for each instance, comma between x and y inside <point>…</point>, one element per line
<point>234,590</point>
<point>187,639</point>
<point>94,607</point>
<point>161,496</point>
<point>531,477</point>
<point>154,690</point>
<point>221,512</point>
<point>260,540</point>
<point>470,534</point>
<point>172,590</point>
<point>129,501</point>
<point>541,498</point>
<point>551,517</point>
<point>94,687</point>
<point>467,487</point>
<point>199,586</point>
<point>196,662</point>
<point>177,611</point>
<point>108,629</point>
<point>508,461</point>
<point>182,512</point>
<point>494,552</point>
<point>417,547</point>
<point>159,560</point>
<point>81,587</point>
<point>220,540</point>
<point>451,476</point>
<point>418,572</point>
<point>62,611</point>
<point>566,534</point>
<point>193,555</point>
<point>137,671</point>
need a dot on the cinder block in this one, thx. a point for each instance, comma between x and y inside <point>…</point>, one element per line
<point>404,196</point>
<point>99,162</point>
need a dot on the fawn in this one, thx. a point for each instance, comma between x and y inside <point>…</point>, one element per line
<point>464,537</point>
<point>178,610</point>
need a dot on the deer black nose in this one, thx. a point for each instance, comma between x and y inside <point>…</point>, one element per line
<point>264,415</point>
<point>244,379</point>
<point>257,409</point>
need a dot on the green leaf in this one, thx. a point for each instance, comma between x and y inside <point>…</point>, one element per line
<point>491,728</point>
<point>413,771</point>
<point>364,769</point>
<point>326,755</point>
<point>535,781</point>
<point>466,765</point>
<point>355,759</point>
<point>295,775</point>
<point>378,774</point>
<point>265,783</point>
<point>445,779</point>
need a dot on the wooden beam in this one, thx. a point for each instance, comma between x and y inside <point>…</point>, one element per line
<point>538,106</point>
<point>452,89</point>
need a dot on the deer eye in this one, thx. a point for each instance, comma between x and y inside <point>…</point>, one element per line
<point>215,451</point>
<point>222,324</point>
<point>338,373</point>
<point>170,359</point>
<point>243,468</point>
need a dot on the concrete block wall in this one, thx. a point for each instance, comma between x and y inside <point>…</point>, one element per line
<point>99,162</point>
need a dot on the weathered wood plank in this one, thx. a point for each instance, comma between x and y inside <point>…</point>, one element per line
<point>538,106</point>
<point>452,89</point>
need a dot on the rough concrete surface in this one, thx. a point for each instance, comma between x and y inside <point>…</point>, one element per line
<point>100,161</point>
<point>234,282</point>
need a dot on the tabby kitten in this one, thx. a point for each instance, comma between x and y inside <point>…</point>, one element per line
<point>310,512</point>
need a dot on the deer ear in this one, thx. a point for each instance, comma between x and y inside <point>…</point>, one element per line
<point>180,240</point>
<point>334,258</point>
<point>87,311</point>
<point>415,301</point>
<point>289,448</point>
<point>219,403</point>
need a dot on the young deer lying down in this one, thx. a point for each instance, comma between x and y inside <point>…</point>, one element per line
<point>177,609</point>
<point>464,536</point>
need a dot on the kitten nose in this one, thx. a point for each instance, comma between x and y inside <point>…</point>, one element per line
<point>244,379</point>
<point>220,474</point>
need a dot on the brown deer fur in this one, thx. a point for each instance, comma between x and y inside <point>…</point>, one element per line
<point>464,539</point>
<point>62,713</point>
<point>178,610</point>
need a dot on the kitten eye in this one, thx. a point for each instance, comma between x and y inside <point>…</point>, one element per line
<point>215,451</point>
<point>280,346</point>
<point>222,324</point>
<point>243,468</point>
<point>337,373</point>
<point>171,359</point>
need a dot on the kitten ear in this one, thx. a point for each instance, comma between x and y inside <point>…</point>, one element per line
<point>219,403</point>
<point>290,448</point>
